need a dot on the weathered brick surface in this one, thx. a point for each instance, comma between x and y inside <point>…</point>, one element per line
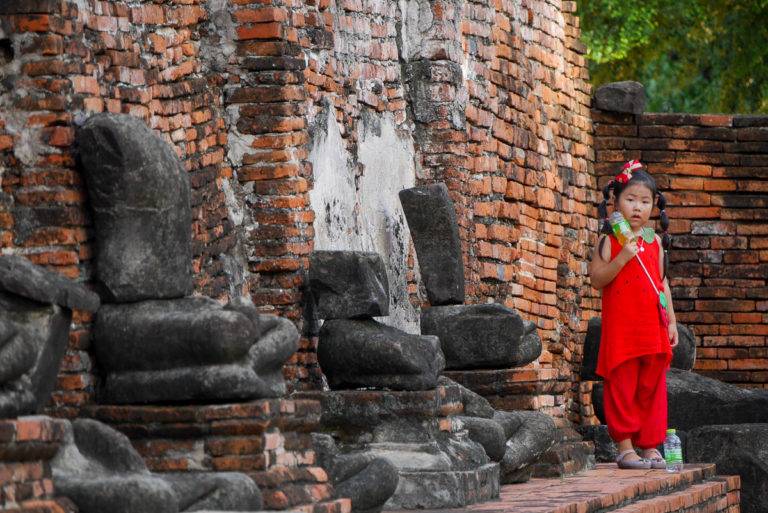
<point>27,445</point>
<point>492,96</point>
<point>712,169</point>
<point>66,60</point>
<point>269,440</point>
<point>695,490</point>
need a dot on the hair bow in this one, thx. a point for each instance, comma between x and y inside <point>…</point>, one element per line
<point>626,173</point>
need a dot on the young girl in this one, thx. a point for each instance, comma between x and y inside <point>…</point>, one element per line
<point>636,346</point>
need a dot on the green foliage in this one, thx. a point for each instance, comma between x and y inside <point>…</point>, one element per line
<point>692,56</point>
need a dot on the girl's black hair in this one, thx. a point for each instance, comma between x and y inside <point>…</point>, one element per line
<point>639,176</point>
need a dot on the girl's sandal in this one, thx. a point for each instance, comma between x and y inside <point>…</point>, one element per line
<point>654,456</point>
<point>640,464</point>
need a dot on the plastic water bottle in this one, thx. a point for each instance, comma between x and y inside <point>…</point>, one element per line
<point>673,452</point>
<point>620,227</point>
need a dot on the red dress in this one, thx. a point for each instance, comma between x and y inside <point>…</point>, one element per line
<point>631,324</point>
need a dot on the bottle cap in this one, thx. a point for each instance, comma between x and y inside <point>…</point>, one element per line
<point>670,431</point>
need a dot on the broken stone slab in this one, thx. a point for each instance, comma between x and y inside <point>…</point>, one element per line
<point>99,470</point>
<point>33,339</point>
<point>529,435</point>
<point>487,433</point>
<point>627,96</point>
<point>365,353</point>
<point>606,449</point>
<point>435,232</point>
<point>191,349</point>
<point>348,284</point>
<point>140,197</point>
<point>486,336</point>
<point>694,401</point>
<point>683,355</point>
<point>736,449</point>
<point>22,277</point>
<point>367,480</point>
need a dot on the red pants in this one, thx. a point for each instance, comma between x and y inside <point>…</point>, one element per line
<point>635,401</point>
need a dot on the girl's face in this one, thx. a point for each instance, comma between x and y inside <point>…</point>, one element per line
<point>636,203</point>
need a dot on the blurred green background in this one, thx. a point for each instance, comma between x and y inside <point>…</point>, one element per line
<point>692,56</point>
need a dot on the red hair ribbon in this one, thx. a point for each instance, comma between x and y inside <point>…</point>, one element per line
<point>626,173</point>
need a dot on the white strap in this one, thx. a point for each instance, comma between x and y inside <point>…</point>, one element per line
<point>649,275</point>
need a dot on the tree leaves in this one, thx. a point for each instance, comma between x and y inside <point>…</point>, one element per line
<point>692,56</point>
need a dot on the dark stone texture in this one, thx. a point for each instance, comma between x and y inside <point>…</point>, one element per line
<point>99,470</point>
<point>348,284</point>
<point>625,96</point>
<point>367,480</point>
<point>736,449</point>
<point>33,339</point>
<point>605,448</point>
<point>695,401</point>
<point>191,349</point>
<point>684,355</point>
<point>591,350</point>
<point>534,435</point>
<point>157,334</point>
<point>487,336</point>
<point>488,433</point>
<point>435,232</point>
<point>365,353</point>
<point>20,276</point>
<point>139,193</point>
<point>29,7</point>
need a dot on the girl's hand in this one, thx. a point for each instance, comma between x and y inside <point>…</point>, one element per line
<point>628,252</point>
<point>672,332</point>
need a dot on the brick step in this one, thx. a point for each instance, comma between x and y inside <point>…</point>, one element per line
<point>608,489</point>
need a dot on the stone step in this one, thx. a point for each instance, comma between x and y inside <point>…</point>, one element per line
<point>566,459</point>
<point>568,456</point>
<point>608,489</point>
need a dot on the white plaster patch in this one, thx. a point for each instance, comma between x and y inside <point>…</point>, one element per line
<point>388,159</point>
<point>333,198</point>
<point>365,215</point>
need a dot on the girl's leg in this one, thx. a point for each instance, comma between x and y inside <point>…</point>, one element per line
<point>652,401</point>
<point>621,412</point>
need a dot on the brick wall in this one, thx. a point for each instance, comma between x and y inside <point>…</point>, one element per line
<point>62,61</point>
<point>489,97</point>
<point>714,172</point>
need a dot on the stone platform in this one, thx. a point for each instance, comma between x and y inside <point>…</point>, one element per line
<point>27,445</point>
<point>415,430</point>
<point>269,440</point>
<point>607,489</point>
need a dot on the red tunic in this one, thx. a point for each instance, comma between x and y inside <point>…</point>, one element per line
<point>631,321</point>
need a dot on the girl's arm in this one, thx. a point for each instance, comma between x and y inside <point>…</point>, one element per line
<point>672,329</point>
<point>603,269</point>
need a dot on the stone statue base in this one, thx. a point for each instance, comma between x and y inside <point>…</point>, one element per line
<point>439,466</point>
